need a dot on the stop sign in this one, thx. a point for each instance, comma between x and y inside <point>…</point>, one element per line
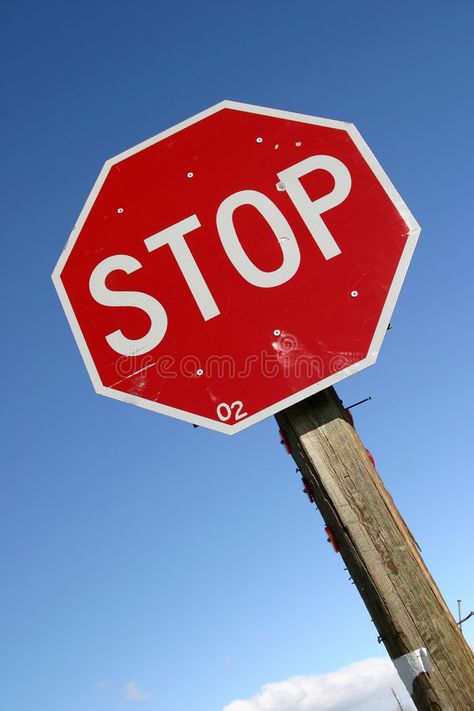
<point>235,264</point>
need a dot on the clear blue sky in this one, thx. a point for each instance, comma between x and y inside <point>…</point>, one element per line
<point>133,547</point>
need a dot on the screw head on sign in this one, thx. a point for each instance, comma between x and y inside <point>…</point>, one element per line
<point>190,175</point>
<point>297,144</point>
<point>277,332</point>
<point>354,293</point>
<point>120,210</point>
<point>281,186</point>
<point>259,139</point>
<point>199,371</point>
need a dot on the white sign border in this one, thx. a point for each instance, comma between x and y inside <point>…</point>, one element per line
<point>414,231</point>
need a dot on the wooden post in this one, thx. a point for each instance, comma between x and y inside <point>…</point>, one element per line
<point>379,551</point>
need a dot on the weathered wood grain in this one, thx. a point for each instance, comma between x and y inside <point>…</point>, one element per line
<point>379,551</point>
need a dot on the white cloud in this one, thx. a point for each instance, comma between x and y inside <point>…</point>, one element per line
<point>133,692</point>
<point>362,686</point>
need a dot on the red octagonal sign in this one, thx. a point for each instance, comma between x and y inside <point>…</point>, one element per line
<point>235,264</point>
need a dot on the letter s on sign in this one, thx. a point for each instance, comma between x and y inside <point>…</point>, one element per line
<point>137,299</point>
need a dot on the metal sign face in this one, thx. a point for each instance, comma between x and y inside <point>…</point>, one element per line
<point>235,264</point>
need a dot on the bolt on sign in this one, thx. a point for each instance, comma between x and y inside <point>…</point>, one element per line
<point>235,264</point>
